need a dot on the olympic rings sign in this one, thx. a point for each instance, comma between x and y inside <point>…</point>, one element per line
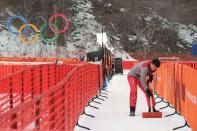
<point>38,33</point>
<point>43,37</point>
<point>53,29</point>
<point>10,21</point>
<point>28,41</point>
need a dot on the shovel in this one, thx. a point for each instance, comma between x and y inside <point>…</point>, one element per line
<point>151,114</point>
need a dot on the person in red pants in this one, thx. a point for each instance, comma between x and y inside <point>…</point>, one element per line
<point>140,75</point>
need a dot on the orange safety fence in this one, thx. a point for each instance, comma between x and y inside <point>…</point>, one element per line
<point>191,64</point>
<point>47,97</point>
<point>177,84</point>
<point>128,64</point>
<point>9,69</point>
<point>26,84</point>
<point>9,65</point>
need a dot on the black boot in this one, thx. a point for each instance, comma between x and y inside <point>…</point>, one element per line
<point>132,111</point>
<point>149,109</point>
<point>154,110</point>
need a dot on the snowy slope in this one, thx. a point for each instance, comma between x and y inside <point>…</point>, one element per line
<point>82,38</point>
<point>187,33</point>
<point>113,113</point>
<point>154,23</point>
<point>85,27</point>
<point>81,35</point>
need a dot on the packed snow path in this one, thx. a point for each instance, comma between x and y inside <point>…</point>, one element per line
<point>113,113</point>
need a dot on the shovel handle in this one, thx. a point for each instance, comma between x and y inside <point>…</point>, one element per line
<point>151,106</point>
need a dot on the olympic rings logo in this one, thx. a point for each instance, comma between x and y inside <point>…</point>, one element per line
<point>38,33</point>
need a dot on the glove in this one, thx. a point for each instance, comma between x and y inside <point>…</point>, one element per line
<point>150,79</point>
<point>149,93</point>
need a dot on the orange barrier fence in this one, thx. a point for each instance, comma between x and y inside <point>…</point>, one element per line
<point>128,64</point>
<point>177,84</point>
<point>26,84</point>
<point>10,65</point>
<point>9,69</point>
<point>47,97</point>
<point>191,64</point>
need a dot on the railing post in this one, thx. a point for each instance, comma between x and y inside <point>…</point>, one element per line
<point>52,111</point>
<point>37,113</point>
<point>63,103</point>
<point>22,91</point>
<point>13,117</point>
<point>38,102</point>
<point>32,84</point>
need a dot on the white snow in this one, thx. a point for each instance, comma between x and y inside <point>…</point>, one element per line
<point>124,55</point>
<point>86,27</point>
<point>148,18</point>
<point>113,113</point>
<point>187,33</point>
<point>132,38</point>
<point>178,44</point>
<point>102,38</point>
<point>116,38</point>
<point>108,5</point>
<point>123,10</point>
<point>83,38</point>
<point>10,45</point>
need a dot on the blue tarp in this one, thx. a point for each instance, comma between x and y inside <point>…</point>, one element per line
<point>194,48</point>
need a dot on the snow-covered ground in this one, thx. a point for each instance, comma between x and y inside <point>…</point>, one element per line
<point>113,113</point>
<point>82,36</point>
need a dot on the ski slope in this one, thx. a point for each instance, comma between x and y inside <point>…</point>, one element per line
<point>113,113</point>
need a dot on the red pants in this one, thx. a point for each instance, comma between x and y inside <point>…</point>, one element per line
<point>133,82</point>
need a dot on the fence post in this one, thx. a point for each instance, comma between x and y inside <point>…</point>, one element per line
<point>22,91</point>
<point>38,102</point>
<point>13,117</point>
<point>52,111</point>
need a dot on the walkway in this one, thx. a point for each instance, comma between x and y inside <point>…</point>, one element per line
<point>113,113</point>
